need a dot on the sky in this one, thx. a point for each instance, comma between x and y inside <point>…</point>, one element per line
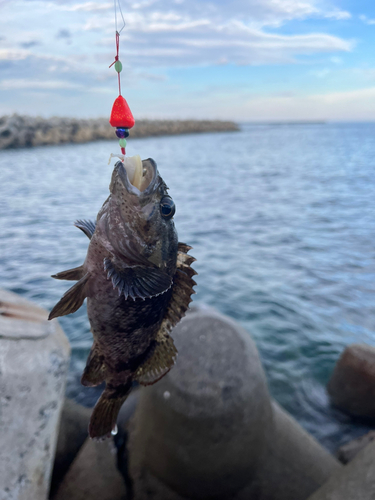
<point>244,60</point>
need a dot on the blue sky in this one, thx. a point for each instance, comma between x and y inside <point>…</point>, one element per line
<point>243,60</point>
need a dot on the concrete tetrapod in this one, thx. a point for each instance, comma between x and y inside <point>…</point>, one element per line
<point>352,385</point>
<point>209,429</point>
<point>34,358</point>
<point>355,481</point>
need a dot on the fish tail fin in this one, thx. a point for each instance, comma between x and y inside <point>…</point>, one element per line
<point>104,416</point>
<point>72,300</point>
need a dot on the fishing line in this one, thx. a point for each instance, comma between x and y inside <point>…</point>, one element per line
<point>121,116</point>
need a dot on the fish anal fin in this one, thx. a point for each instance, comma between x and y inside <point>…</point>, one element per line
<point>94,372</point>
<point>137,282</point>
<point>87,226</point>
<point>160,362</point>
<point>72,300</point>
<point>71,274</point>
<point>104,416</point>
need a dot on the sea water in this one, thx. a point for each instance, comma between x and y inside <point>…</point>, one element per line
<point>282,221</point>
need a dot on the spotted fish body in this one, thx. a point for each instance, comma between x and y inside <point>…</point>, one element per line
<point>138,283</point>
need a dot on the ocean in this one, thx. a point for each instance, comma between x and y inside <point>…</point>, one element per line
<point>282,221</point>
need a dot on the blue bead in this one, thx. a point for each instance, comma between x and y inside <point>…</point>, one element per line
<point>122,133</point>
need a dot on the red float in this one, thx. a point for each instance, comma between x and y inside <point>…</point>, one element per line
<point>121,116</point>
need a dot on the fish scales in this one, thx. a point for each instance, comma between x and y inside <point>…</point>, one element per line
<point>138,283</point>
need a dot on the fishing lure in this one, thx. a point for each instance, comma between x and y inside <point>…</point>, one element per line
<point>121,115</point>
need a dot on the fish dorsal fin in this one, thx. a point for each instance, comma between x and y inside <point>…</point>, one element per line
<point>71,274</point>
<point>94,372</point>
<point>72,300</point>
<point>182,288</point>
<point>87,226</point>
<point>162,359</point>
<point>137,282</point>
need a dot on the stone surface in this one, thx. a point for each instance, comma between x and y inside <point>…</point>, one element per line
<point>25,131</point>
<point>34,358</point>
<point>355,481</point>
<point>73,433</point>
<point>352,385</point>
<point>93,474</point>
<point>348,451</point>
<point>293,465</point>
<point>209,430</point>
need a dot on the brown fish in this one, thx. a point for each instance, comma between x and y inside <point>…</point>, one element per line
<point>138,282</point>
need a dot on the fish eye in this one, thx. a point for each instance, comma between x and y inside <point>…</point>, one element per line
<point>167,207</point>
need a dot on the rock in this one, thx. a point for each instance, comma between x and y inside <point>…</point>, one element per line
<point>209,429</point>
<point>25,131</point>
<point>34,358</point>
<point>72,434</point>
<point>352,385</point>
<point>355,481</point>
<point>348,451</point>
<point>121,439</point>
<point>93,474</point>
<point>293,465</point>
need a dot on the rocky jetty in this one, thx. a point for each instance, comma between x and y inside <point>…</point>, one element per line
<point>25,131</point>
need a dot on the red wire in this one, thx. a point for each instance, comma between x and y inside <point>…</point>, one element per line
<point>116,59</point>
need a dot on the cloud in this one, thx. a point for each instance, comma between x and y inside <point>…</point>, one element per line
<point>356,105</point>
<point>25,83</point>
<point>339,15</point>
<point>63,33</point>
<point>29,44</point>
<point>89,7</point>
<point>366,20</point>
<point>320,73</point>
<point>13,54</point>
<point>160,35</point>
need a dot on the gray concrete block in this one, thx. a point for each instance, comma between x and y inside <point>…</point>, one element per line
<point>93,475</point>
<point>349,450</point>
<point>209,429</point>
<point>355,481</point>
<point>293,465</point>
<point>352,385</point>
<point>34,358</point>
<point>202,427</point>
<point>73,432</point>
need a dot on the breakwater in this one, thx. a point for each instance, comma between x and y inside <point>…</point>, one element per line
<point>18,131</point>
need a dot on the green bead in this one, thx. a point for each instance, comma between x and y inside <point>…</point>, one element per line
<point>118,66</point>
<point>122,143</point>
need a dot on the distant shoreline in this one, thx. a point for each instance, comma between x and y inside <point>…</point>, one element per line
<point>18,131</point>
<point>286,122</point>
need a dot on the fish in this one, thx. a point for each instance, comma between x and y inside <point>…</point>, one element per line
<point>138,282</point>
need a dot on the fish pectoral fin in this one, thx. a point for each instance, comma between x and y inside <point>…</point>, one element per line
<point>87,226</point>
<point>95,371</point>
<point>71,274</point>
<point>137,282</point>
<point>104,416</point>
<point>72,300</point>
<point>160,362</point>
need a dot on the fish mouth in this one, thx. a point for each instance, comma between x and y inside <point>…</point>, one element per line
<point>137,176</point>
